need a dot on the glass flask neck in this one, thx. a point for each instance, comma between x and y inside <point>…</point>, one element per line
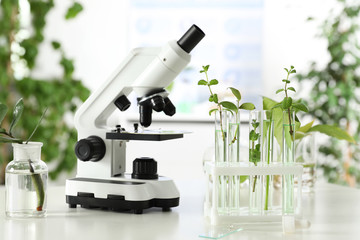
<point>31,150</point>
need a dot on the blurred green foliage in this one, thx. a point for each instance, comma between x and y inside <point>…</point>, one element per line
<point>335,97</point>
<point>61,95</point>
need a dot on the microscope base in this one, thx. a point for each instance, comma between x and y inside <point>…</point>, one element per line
<point>122,194</point>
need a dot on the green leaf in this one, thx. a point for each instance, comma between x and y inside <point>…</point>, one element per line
<point>291,67</point>
<point>247,106</point>
<point>236,93</point>
<point>286,70</point>
<point>213,82</point>
<point>301,107</point>
<point>9,140</point>
<point>268,103</point>
<point>291,89</point>
<point>279,105</point>
<point>205,68</point>
<point>202,82</point>
<point>18,110</point>
<point>287,102</point>
<point>215,97</point>
<point>306,128</point>
<point>280,90</point>
<point>286,81</point>
<point>213,110</point>
<point>211,98</point>
<point>255,124</point>
<point>74,10</point>
<point>293,71</point>
<point>37,125</point>
<point>252,135</point>
<point>333,131</point>
<point>243,178</point>
<point>55,45</point>
<point>300,135</point>
<point>229,105</point>
<point>3,111</point>
<point>277,114</point>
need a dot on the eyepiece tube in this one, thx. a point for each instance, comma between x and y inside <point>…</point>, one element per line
<point>191,38</point>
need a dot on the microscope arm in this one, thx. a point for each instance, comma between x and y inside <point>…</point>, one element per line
<point>145,71</point>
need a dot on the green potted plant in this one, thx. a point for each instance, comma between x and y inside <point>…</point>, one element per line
<point>27,173</point>
<point>334,85</point>
<point>20,43</point>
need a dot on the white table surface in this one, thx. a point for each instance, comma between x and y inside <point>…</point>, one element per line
<point>334,213</point>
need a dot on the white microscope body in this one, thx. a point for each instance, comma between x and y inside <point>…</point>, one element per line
<point>101,180</point>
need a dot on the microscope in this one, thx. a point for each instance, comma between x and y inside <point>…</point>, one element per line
<point>101,181</point>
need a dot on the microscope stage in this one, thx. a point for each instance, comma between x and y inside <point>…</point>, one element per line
<point>147,135</point>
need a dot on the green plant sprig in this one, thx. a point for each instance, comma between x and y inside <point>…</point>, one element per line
<point>223,105</point>
<point>254,153</point>
<point>7,136</point>
<point>288,103</point>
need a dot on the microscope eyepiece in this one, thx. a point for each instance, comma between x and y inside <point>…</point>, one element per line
<point>191,38</point>
<point>122,103</point>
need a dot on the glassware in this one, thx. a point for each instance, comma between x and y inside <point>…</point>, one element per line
<point>267,152</point>
<point>255,186</point>
<point>221,155</point>
<point>234,157</point>
<point>306,156</point>
<point>288,156</point>
<point>26,182</point>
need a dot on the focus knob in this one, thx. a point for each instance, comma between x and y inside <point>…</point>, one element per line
<point>90,149</point>
<point>144,168</point>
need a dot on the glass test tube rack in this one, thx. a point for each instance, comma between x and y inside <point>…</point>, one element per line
<point>245,193</point>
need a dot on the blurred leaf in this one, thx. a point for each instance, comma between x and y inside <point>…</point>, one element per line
<point>333,131</point>
<point>280,90</point>
<point>278,124</point>
<point>247,106</point>
<point>206,68</point>
<point>306,127</point>
<point>202,82</point>
<point>291,89</point>
<point>215,97</point>
<point>3,111</point>
<point>229,105</point>
<point>287,102</point>
<point>213,82</point>
<point>213,110</point>
<point>268,103</point>
<point>236,93</point>
<point>301,107</point>
<point>9,140</point>
<point>37,125</point>
<point>55,44</point>
<point>18,110</point>
<point>74,10</point>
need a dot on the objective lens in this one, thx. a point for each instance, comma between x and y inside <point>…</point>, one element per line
<point>169,108</point>
<point>158,103</point>
<point>145,111</point>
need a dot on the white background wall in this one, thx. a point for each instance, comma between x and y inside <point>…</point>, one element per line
<point>96,40</point>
